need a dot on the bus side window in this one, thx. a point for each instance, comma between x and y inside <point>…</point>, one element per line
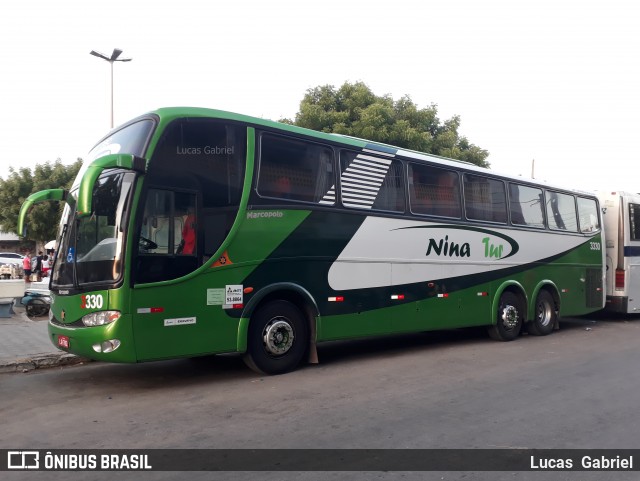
<point>295,170</point>
<point>588,214</point>
<point>371,182</point>
<point>634,221</point>
<point>154,233</point>
<point>561,212</point>
<point>168,237</point>
<point>434,191</point>
<point>526,205</point>
<point>485,199</point>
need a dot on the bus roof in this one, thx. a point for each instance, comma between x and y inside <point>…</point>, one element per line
<point>167,114</point>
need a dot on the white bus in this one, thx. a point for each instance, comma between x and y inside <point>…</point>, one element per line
<point>621,214</point>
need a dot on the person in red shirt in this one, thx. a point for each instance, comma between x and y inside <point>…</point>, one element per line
<point>26,266</point>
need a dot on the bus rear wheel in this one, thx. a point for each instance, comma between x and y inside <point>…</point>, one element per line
<point>277,338</point>
<point>546,315</point>
<point>509,319</point>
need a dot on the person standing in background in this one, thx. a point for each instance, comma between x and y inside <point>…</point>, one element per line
<point>37,269</point>
<point>45,265</point>
<point>26,266</point>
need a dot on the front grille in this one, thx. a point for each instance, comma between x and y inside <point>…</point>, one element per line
<point>57,322</point>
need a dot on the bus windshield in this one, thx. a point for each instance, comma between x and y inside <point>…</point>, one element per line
<point>91,248</point>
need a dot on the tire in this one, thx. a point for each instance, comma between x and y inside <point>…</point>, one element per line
<point>509,319</point>
<point>37,308</point>
<point>277,339</point>
<point>546,315</point>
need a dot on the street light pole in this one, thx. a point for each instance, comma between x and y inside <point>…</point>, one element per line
<point>114,58</point>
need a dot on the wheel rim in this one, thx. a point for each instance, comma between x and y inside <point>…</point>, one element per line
<point>278,336</point>
<point>509,316</point>
<point>544,314</point>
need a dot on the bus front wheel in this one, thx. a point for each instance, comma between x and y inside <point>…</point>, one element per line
<point>277,338</point>
<point>546,315</point>
<point>509,319</point>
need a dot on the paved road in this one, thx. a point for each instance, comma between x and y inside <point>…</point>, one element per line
<point>578,388</point>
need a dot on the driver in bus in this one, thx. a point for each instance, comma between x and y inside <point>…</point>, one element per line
<point>188,244</point>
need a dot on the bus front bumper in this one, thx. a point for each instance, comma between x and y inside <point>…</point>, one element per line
<point>111,342</point>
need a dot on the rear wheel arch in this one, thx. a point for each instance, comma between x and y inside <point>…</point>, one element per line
<point>294,294</point>
<point>514,287</point>
<point>544,311</point>
<point>509,310</point>
<point>549,286</point>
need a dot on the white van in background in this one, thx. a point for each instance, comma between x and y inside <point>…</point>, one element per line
<point>621,215</point>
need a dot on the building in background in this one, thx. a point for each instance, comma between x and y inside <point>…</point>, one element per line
<point>10,242</point>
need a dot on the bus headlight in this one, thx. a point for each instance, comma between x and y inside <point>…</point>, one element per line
<point>100,318</point>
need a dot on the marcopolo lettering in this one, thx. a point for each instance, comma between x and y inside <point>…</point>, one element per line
<point>259,215</point>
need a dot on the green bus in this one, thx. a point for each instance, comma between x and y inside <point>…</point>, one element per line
<point>192,231</point>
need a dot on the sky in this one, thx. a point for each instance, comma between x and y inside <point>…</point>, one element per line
<point>547,87</point>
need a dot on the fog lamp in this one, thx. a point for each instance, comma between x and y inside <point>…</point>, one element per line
<point>107,346</point>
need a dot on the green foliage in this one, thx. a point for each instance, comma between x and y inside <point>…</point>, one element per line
<point>42,220</point>
<point>355,110</point>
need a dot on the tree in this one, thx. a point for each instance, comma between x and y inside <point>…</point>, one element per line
<point>355,110</point>
<point>43,218</point>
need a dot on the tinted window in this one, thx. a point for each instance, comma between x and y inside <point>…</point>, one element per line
<point>131,139</point>
<point>434,191</point>
<point>204,155</point>
<point>485,199</point>
<point>526,205</point>
<point>296,170</point>
<point>371,182</point>
<point>191,198</point>
<point>634,221</point>
<point>561,211</point>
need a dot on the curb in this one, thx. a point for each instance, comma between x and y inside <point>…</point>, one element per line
<point>41,361</point>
